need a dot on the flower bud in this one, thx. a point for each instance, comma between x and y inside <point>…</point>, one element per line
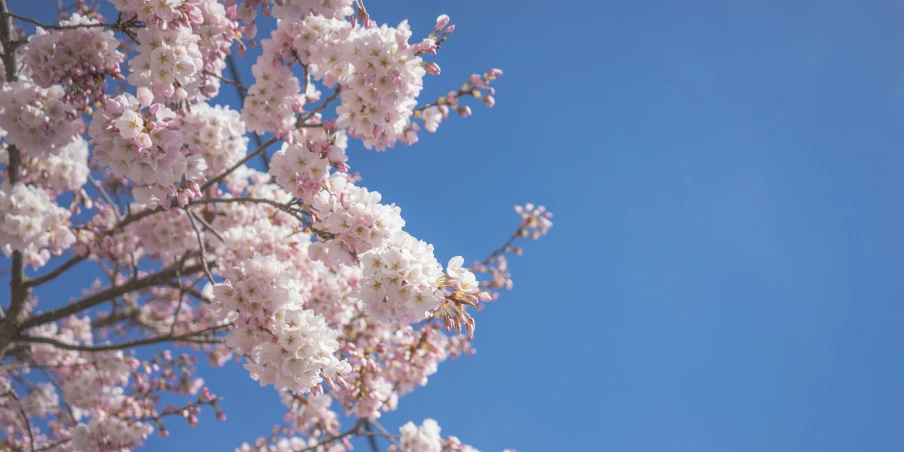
<point>441,22</point>
<point>432,68</point>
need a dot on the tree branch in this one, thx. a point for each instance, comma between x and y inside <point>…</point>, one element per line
<point>18,291</point>
<point>131,344</point>
<point>55,272</point>
<point>321,106</point>
<point>88,302</point>
<point>241,90</point>
<point>371,439</point>
<point>234,83</point>
<point>241,162</point>
<point>194,226</point>
<point>352,431</point>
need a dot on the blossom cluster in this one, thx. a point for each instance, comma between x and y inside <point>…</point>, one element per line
<point>426,438</point>
<point>110,434</point>
<point>79,58</point>
<point>291,10</point>
<point>534,220</point>
<point>167,235</point>
<point>275,97</point>
<point>66,171</point>
<point>304,167</point>
<point>310,415</point>
<point>286,345</point>
<point>168,62</point>
<point>144,146</point>
<point>219,134</point>
<point>379,74</point>
<point>32,223</point>
<point>38,121</point>
<point>400,282</point>
<point>355,219</point>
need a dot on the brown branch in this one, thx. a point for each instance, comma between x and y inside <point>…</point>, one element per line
<point>131,344</point>
<point>371,439</point>
<point>352,431</point>
<point>189,291</point>
<point>383,430</point>
<point>241,162</point>
<point>162,277</point>
<point>18,291</point>
<point>208,227</point>
<point>241,91</point>
<point>55,272</point>
<point>234,83</point>
<point>238,200</point>
<point>505,247</point>
<point>321,106</point>
<point>194,226</point>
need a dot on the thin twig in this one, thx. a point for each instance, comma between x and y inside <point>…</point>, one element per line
<point>189,291</point>
<point>31,435</point>
<point>172,328</point>
<point>103,192</point>
<point>505,247</point>
<point>55,272</point>
<point>56,384</point>
<point>191,218</point>
<point>352,431</point>
<point>209,227</point>
<point>115,26</point>
<point>234,69</point>
<point>371,439</point>
<point>320,107</point>
<point>241,162</point>
<point>227,81</point>
<point>383,431</point>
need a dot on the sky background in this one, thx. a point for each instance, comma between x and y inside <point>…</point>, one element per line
<point>725,269</point>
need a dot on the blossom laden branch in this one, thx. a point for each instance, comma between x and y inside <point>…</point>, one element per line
<point>321,287</point>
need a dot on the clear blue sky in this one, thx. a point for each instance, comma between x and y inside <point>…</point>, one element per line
<point>727,266</point>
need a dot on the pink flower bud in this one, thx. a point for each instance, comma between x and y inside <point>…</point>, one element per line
<point>441,22</point>
<point>432,68</point>
<point>145,97</point>
<point>489,101</point>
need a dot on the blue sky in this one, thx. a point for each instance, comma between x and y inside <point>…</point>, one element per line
<point>725,270</point>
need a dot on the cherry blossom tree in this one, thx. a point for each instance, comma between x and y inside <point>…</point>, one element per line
<point>227,235</point>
